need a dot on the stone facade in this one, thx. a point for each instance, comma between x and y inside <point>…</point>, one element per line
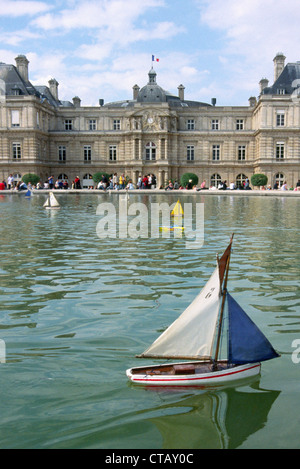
<point>155,132</point>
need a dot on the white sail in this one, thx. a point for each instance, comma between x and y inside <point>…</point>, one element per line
<point>47,203</point>
<point>53,201</point>
<point>192,334</point>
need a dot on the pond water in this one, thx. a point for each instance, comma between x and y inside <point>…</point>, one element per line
<point>75,309</point>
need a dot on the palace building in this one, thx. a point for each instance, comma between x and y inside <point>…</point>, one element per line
<point>154,132</point>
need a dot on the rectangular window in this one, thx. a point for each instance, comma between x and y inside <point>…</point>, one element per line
<point>215,124</point>
<point>117,124</point>
<point>87,152</point>
<point>279,151</point>
<point>16,151</point>
<point>113,153</point>
<point>190,124</point>
<point>280,119</point>
<point>92,124</point>
<point>68,124</point>
<point>216,152</point>
<point>190,153</point>
<point>242,152</point>
<point>240,124</point>
<point>15,118</point>
<point>62,153</point>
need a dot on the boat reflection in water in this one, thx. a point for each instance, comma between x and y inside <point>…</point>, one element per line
<point>222,419</point>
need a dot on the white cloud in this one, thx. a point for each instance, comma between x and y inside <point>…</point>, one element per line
<point>254,27</point>
<point>22,8</point>
<point>17,37</point>
<point>106,45</point>
<point>250,34</point>
<point>94,14</point>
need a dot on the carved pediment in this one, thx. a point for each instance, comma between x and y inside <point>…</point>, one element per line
<point>149,121</point>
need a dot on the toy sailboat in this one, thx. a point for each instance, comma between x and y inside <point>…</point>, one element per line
<point>51,202</point>
<point>196,335</point>
<point>177,219</point>
<point>177,210</point>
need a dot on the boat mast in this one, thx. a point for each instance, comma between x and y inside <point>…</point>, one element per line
<point>223,290</point>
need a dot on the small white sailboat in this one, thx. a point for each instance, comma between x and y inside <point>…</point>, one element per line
<point>51,202</point>
<point>196,335</point>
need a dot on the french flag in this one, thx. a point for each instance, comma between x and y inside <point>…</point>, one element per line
<point>154,59</point>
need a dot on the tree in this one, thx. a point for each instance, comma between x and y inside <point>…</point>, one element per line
<point>33,178</point>
<point>259,180</point>
<point>97,177</point>
<point>185,178</point>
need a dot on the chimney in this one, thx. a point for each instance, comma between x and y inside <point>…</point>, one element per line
<point>76,101</point>
<point>252,101</point>
<point>53,85</point>
<point>278,65</point>
<point>136,90</point>
<point>264,83</point>
<point>213,101</point>
<point>22,66</point>
<point>181,89</point>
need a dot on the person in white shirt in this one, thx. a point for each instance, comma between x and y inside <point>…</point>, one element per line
<point>284,186</point>
<point>10,181</point>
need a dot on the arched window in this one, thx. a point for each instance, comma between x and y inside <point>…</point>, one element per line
<point>63,177</point>
<point>215,180</point>
<point>87,181</point>
<point>17,177</point>
<point>279,177</point>
<point>150,151</point>
<point>239,182</point>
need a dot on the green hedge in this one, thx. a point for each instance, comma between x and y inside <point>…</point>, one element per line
<point>97,177</point>
<point>185,178</point>
<point>33,178</point>
<point>258,180</point>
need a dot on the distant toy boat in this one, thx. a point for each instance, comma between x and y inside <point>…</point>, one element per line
<point>51,202</point>
<point>177,210</point>
<point>177,216</point>
<point>196,335</point>
<point>28,193</point>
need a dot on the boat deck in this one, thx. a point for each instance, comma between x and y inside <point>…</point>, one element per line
<point>180,368</point>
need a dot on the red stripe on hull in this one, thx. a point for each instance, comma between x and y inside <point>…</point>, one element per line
<point>196,379</point>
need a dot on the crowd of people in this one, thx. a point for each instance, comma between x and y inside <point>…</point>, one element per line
<point>115,182</point>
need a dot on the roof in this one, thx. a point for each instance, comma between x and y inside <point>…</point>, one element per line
<point>13,84</point>
<point>13,81</point>
<point>153,93</point>
<point>288,80</point>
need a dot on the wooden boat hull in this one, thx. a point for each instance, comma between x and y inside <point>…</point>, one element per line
<point>191,374</point>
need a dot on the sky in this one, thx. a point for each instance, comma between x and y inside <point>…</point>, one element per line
<point>99,49</point>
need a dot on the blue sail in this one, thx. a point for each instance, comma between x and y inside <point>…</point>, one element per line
<point>28,193</point>
<point>247,344</point>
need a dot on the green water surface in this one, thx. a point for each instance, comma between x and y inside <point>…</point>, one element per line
<point>76,309</point>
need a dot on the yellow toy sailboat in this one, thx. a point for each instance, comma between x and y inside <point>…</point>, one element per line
<point>177,210</point>
<point>177,217</point>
